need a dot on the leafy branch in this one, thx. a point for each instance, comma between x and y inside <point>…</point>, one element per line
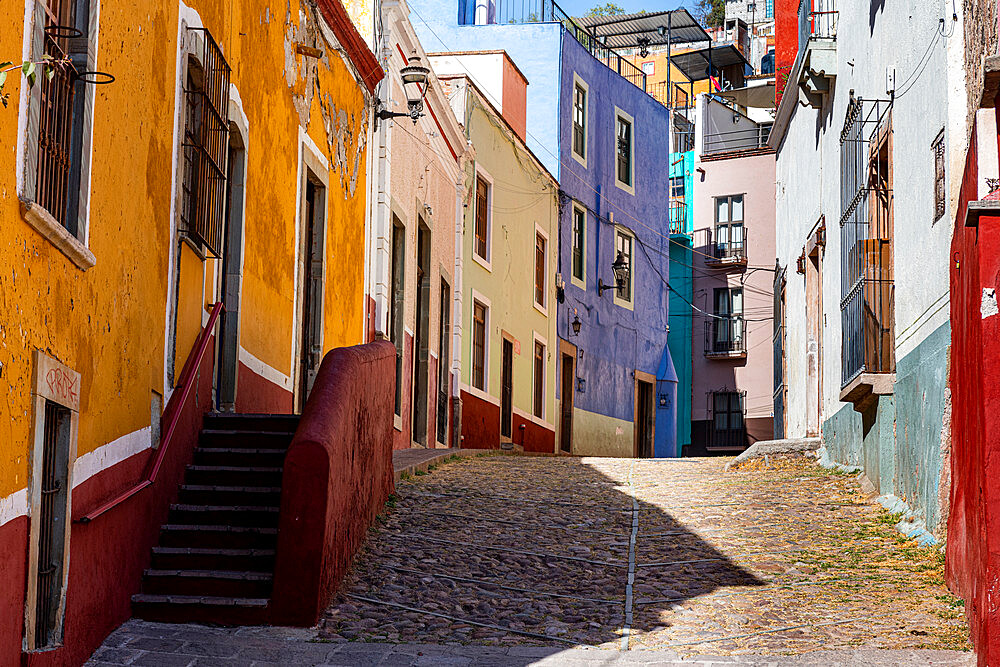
<point>30,70</point>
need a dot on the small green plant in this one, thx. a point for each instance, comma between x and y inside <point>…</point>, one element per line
<point>29,70</point>
<point>406,476</point>
<point>420,473</point>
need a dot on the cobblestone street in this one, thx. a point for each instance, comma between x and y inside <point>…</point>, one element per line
<point>519,552</point>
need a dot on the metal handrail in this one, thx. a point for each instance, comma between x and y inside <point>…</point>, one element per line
<point>176,404</point>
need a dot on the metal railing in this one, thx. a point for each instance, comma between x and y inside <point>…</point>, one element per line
<point>737,140</point>
<point>611,58</point>
<point>730,246</point>
<point>681,97</point>
<point>55,126</point>
<point>725,337</point>
<point>867,285</point>
<point>817,18</point>
<point>511,12</point>
<point>678,216</point>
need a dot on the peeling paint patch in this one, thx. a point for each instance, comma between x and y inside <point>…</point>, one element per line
<point>988,307</point>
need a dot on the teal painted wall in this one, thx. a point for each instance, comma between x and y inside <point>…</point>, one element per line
<point>679,339</point>
<point>898,444</point>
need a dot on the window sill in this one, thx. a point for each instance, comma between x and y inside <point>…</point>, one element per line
<point>541,309</point>
<point>579,158</point>
<point>43,223</point>
<point>581,283</point>
<point>622,303</point>
<point>481,262</point>
<point>627,188</point>
<point>864,390</point>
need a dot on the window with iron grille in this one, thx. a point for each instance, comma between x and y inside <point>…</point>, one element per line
<point>579,242</point>
<point>728,419</point>
<point>396,301</point>
<point>540,269</point>
<point>539,384</point>
<point>866,232</point>
<point>580,121</point>
<point>52,518</point>
<point>940,185</point>
<point>206,143</point>
<point>623,245</point>
<point>481,244</point>
<point>61,110</point>
<point>624,151</point>
<point>479,314</point>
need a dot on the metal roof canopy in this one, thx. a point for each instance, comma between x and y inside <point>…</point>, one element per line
<point>624,30</point>
<point>694,64</point>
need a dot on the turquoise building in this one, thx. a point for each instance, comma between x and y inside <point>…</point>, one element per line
<point>679,338</point>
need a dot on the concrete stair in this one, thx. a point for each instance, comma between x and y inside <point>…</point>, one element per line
<point>215,559</point>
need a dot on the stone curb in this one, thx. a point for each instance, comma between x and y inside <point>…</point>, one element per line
<point>765,448</point>
<point>423,466</point>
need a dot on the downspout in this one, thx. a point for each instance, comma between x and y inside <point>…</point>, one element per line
<point>456,329</point>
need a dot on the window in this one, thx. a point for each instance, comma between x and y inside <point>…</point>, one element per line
<point>648,68</point>
<point>481,244</point>
<point>540,261</point>
<point>726,328</point>
<point>769,9</point>
<point>579,243</point>
<point>206,137</point>
<point>729,234</point>
<point>677,187</point>
<point>479,315</point>
<point>623,245</point>
<point>538,388</point>
<point>625,149</point>
<point>396,301</point>
<point>728,422</point>
<point>940,185</point>
<point>580,120</point>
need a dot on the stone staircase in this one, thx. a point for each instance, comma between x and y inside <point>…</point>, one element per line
<point>215,559</point>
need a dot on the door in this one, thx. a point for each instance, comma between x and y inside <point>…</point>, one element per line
<point>566,405</point>
<point>311,291</point>
<point>814,344</point>
<point>506,389</point>
<point>444,374</point>
<point>644,419</point>
<point>232,263</point>
<point>421,349</point>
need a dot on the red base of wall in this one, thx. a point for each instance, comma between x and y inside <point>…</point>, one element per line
<point>480,423</point>
<point>13,547</point>
<point>533,438</point>
<point>256,394</point>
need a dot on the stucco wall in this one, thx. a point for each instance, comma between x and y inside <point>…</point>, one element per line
<point>894,39</point>
<point>615,341</point>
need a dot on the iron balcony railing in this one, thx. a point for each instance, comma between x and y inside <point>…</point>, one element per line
<point>730,244</point>
<point>681,97</point>
<point>727,438</point>
<point>678,215</point>
<point>817,18</point>
<point>725,337</point>
<point>737,140</point>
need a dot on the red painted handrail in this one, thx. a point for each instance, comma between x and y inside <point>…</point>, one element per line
<point>171,415</point>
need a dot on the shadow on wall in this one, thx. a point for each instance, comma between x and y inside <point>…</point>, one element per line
<point>480,553</point>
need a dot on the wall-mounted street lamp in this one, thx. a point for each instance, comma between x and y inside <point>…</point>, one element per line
<point>643,43</point>
<point>620,269</point>
<point>416,78</point>
<point>576,324</point>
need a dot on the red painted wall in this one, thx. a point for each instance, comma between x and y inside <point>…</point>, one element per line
<point>480,423</point>
<point>257,394</point>
<point>108,555</point>
<point>515,97</point>
<point>786,42</point>
<point>338,475</point>
<point>532,437</point>
<point>973,551</point>
<point>403,439</point>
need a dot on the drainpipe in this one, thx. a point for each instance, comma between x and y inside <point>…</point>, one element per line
<point>456,327</point>
<point>381,234</point>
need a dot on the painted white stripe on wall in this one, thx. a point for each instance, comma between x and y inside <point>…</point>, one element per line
<point>114,452</point>
<point>13,506</point>
<point>267,372</point>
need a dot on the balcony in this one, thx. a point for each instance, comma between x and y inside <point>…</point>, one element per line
<point>728,249</point>
<point>746,139</point>
<point>817,49</point>
<point>678,216</point>
<point>725,338</point>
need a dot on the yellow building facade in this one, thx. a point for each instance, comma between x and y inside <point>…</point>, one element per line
<point>191,154</point>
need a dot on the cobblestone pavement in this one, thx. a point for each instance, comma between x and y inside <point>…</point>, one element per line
<point>526,560</point>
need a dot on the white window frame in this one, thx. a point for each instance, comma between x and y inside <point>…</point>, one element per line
<point>543,307</point>
<point>478,296</point>
<point>582,281</point>
<point>538,338</point>
<point>75,247</point>
<point>485,262</point>
<point>582,159</point>
<point>630,304</point>
<point>652,69</point>
<point>621,115</point>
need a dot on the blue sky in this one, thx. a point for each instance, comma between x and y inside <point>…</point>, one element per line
<point>580,7</point>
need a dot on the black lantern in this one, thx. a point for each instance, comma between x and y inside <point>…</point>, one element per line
<point>643,43</point>
<point>416,78</point>
<point>576,324</point>
<point>620,269</point>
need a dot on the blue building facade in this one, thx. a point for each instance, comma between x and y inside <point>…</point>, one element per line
<point>680,340</point>
<point>614,190</point>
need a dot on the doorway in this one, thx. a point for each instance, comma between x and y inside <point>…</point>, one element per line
<point>444,365</point>
<point>506,390</point>
<point>311,288</point>
<point>232,274</point>
<point>421,347</point>
<point>644,419</point>
<point>814,344</point>
<point>568,389</point>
